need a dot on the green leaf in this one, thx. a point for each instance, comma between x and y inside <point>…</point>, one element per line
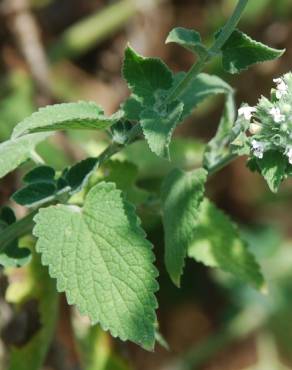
<point>145,76</point>
<point>36,286</point>
<point>80,115</point>
<point>273,168</point>
<point>12,255</point>
<point>189,39</point>
<point>101,259</point>
<point>124,175</point>
<point>217,243</point>
<point>16,151</point>
<point>182,193</point>
<point>240,52</point>
<point>78,175</point>
<point>200,88</point>
<point>158,128</point>
<point>39,174</point>
<point>34,194</point>
<point>132,108</point>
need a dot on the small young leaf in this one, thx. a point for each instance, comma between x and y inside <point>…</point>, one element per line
<point>158,128</point>
<point>240,51</point>
<point>34,194</point>
<point>16,151</point>
<point>103,262</point>
<point>182,193</point>
<point>80,115</point>
<point>12,255</point>
<point>189,39</point>
<point>217,243</point>
<point>273,168</point>
<point>145,76</point>
<point>39,174</point>
<point>200,88</point>
<point>78,174</point>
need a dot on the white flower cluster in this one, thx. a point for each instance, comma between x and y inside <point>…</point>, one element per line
<point>270,121</point>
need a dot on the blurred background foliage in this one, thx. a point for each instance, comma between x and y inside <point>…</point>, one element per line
<point>68,50</point>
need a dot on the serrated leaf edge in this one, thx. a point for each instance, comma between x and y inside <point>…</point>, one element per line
<point>280,52</point>
<point>132,211</point>
<point>236,229</point>
<point>19,131</point>
<point>202,174</point>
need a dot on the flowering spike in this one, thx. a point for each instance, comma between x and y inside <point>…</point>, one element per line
<point>272,126</point>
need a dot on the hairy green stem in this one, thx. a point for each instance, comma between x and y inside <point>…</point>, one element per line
<point>223,162</point>
<point>215,49</point>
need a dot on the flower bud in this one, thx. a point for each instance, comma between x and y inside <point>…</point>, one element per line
<point>255,128</point>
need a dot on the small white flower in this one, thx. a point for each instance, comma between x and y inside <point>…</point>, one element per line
<point>276,114</point>
<point>258,148</point>
<point>282,88</point>
<point>246,112</point>
<point>289,155</point>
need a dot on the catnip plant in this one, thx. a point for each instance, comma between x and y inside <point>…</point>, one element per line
<point>84,224</point>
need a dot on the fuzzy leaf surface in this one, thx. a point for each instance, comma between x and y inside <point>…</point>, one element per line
<point>188,39</point>
<point>16,151</point>
<point>101,259</point>
<point>217,243</point>
<point>145,76</point>
<point>200,88</point>
<point>158,128</point>
<point>182,193</point>
<point>132,108</point>
<point>241,51</point>
<point>80,115</point>
<point>273,168</point>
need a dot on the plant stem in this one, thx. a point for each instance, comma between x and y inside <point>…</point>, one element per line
<point>215,49</point>
<point>223,162</point>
